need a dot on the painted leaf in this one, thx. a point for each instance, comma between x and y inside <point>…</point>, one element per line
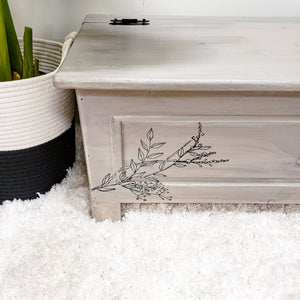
<point>157,145</point>
<point>122,175</point>
<point>198,147</point>
<point>160,175</point>
<point>205,147</point>
<point>150,163</point>
<point>155,155</point>
<point>180,165</point>
<point>108,189</point>
<point>144,145</point>
<point>133,166</point>
<point>181,151</point>
<point>150,134</point>
<point>162,165</point>
<point>130,185</point>
<point>105,180</point>
<point>141,155</point>
<point>195,154</point>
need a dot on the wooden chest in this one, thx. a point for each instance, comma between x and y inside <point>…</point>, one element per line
<point>187,109</point>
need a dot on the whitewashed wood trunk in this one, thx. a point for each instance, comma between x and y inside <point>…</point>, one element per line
<point>262,147</point>
<point>250,116</point>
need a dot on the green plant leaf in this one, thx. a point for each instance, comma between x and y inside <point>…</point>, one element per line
<point>36,67</point>
<point>14,50</point>
<point>5,70</point>
<point>28,56</point>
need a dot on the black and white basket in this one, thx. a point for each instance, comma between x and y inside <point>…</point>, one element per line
<point>37,139</point>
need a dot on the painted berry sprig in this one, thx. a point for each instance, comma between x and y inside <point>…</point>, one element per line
<point>140,178</point>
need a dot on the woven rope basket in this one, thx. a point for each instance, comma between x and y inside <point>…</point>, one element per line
<point>35,119</point>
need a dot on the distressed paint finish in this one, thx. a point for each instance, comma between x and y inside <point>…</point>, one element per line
<point>234,76</point>
<point>185,53</point>
<point>263,149</point>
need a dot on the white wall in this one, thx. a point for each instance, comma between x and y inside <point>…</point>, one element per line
<point>53,19</point>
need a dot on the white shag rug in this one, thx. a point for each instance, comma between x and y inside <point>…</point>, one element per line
<point>50,248</point>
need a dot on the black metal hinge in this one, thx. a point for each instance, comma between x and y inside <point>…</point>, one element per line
<point>129,22</point>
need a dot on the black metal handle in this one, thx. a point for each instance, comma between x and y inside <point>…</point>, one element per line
<point>129,22</point>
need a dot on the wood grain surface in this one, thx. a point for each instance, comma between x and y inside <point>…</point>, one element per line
<point>185,53</point>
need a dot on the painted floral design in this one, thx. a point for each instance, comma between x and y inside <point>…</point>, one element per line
<point>143,177</point>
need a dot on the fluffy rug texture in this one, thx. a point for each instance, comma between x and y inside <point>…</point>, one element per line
<point>50,248</point>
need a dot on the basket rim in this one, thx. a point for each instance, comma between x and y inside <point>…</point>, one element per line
<point>24,81</point>
<point>41,110</point>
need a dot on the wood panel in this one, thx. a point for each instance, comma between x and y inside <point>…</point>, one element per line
<point>257,132</point>
<point>256,147</point>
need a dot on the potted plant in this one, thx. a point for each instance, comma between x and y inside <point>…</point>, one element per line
<point>37,140</point>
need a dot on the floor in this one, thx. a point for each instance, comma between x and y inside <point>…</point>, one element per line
<point>52,249</point>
